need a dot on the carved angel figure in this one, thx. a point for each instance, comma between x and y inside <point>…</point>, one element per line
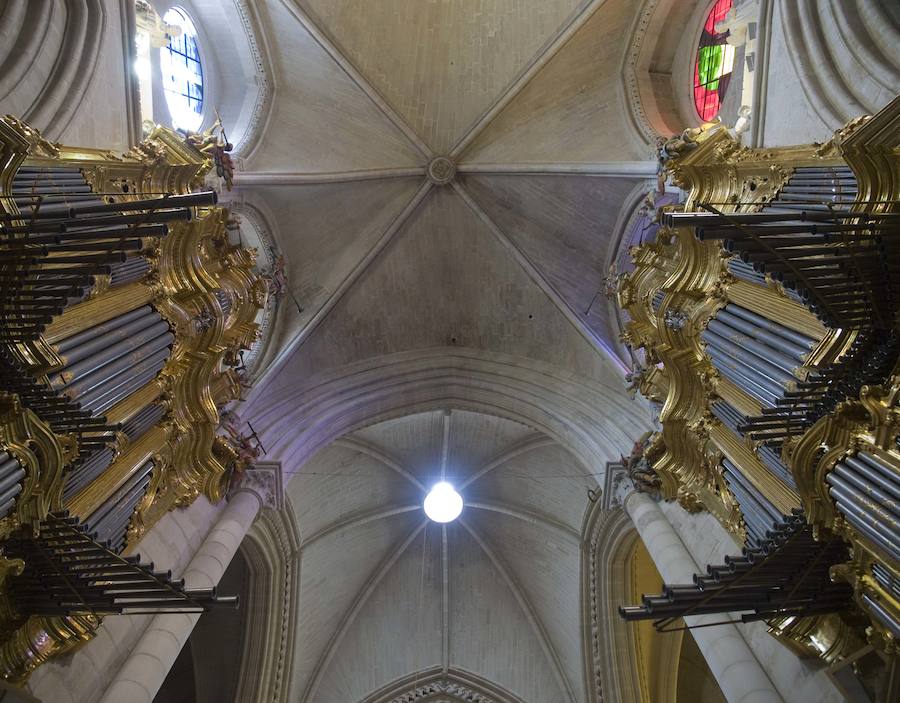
<point>212,142</point>
<point>612,280</point>
<point>247,450</point>
<point>639,471</point>
<point>634,378</point>
<point>277,279</point>
<point>229,422</point>
<point>648,205</point>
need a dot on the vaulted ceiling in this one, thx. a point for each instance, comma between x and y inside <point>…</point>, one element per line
<point>445,179</point>
<point>386,592</point>
<point>525,100</point>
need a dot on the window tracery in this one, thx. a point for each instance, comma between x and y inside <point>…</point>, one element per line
<point>182,72</point>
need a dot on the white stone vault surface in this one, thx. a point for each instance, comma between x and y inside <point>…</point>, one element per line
<point>521,102</point>
<point>386,593</point>
<point>445,179</point>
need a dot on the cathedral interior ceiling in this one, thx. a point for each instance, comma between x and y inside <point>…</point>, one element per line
<point>381,582</point>
<point>359,125</point>
<point>468,283</point>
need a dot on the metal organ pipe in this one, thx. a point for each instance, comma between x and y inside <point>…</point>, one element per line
<point>97,582</point>
<point>89,373</point>
<point>93,346</point>
<point>866,490</point>
<point>796,352</point>
<point>743,377</point>
<point>886,579</point>
<point>771,459</point>
<point>132,270</point>
<point>84,473</point>
<point>770,354</point>
<point>766,324</point>
<point>143,421</point>
<point>104,397</point>
<point>735,421</point>
<point>765,359</point>
<point>882,614</point>
<point>859,512</point>
<point>57,237</point>
<point>66,346</point>
<point>764,374</point>
<point>759,514</point>
<point>11,475</point>
<point>109,522</point>
<point>888,472</point>
<point>62,202</point>
<point>728,415</point>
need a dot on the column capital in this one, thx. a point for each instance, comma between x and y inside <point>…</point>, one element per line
<point>618,486</point>
<point>263,480</point>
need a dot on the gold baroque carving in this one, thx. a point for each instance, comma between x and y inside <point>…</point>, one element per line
<point>188,268</point>
<point>715,169</point>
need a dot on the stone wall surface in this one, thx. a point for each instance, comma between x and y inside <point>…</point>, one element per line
<point>64,65</point>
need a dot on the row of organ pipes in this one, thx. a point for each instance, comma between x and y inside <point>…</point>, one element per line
<point>122,310</point>
<point>778,381</point>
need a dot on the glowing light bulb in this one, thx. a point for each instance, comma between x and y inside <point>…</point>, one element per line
<point>443,503</point>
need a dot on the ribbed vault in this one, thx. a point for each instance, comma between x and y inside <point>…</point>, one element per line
<point>525,102</point>
<point>445,180</point>
<point>382,584</point>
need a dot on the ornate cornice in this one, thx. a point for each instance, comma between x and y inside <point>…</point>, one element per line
<point>629,72</point>
<point>265,94</point>
<point>436,686</point>
<point>441,688</point>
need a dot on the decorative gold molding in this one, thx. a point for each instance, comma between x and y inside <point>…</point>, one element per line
<point>41,454</point>
<point>206,290</point>
<point>136,454</point>
<point>679,283</point>
<point>870,424</point>
<point>775,307</point>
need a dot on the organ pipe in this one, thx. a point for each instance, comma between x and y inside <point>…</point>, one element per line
<point>782,378</point>
<point>785,574</point>
<point>102,259</point>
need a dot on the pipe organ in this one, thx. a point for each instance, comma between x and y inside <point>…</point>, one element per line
<point>122,314</point>
<point>788,555</point>
<point>767,312</point>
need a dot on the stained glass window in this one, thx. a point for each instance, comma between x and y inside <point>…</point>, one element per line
<point>182,73</point>
<point>715,60</point>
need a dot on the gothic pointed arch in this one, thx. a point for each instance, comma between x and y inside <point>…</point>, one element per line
<point>437,686</point>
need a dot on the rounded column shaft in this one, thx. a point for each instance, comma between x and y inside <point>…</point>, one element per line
<point>730,660</point>
<point>146,669</point>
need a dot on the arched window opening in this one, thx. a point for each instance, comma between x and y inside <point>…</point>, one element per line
<point>182,73</point>
<point>714,63</point>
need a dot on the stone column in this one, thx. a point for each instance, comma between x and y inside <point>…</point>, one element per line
<point>149,663</point>
<point>730,660</point>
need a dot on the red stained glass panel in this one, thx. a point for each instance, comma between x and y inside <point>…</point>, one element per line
<point>713,64</point>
